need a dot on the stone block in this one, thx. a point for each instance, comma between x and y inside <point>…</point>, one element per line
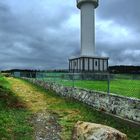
<point>92,131</point>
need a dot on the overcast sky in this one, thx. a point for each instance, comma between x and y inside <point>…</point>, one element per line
<point>43,34</point>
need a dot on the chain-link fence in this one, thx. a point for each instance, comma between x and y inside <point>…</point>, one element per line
<point>120,84</point>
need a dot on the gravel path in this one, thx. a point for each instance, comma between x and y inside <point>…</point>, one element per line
<point>46,126</point>
<point>45,122</point>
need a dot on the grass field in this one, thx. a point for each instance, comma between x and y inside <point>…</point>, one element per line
<point>122,85</point>
<point>24,99</point>
<point>13,115</point>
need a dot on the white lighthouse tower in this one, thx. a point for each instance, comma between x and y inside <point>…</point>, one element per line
<point>87,26</point>
<point>88,61</point>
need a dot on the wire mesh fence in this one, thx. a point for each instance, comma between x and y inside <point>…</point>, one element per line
<point>120,84</point>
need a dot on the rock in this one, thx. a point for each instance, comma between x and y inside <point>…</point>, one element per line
<point>92,131</point>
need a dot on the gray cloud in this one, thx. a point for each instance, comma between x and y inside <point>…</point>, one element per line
<point>33,41</point>
<point>125,12</point>
<point>128,54</point>
<point>43,35</point>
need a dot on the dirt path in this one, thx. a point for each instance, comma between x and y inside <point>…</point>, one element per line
<point>45,122</point>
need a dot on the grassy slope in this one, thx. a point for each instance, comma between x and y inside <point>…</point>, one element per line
<point>13,115</point>
<point>36,98</point>
<point>69,111</point>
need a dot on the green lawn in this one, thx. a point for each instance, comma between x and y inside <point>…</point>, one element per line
<point>13,115</point>
<point>130,88</point>
<point>124,87</point>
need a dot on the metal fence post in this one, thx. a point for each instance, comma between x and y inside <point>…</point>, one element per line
<point>73,80</point>
<point>54,77</point>
<point>108,81</point>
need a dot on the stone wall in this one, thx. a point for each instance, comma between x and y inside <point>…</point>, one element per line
<point>125,107</point>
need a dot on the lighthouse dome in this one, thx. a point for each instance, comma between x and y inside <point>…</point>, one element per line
<point>80,2</point>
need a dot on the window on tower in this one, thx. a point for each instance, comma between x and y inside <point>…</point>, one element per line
<point>96,63</point>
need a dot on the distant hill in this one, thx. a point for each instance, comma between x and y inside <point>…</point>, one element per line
<point>29,70</point>
<point>19,70</point>
<point>124,69</point>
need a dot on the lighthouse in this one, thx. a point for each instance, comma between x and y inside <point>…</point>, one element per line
<point>87,8</point>
<point>87,61</point>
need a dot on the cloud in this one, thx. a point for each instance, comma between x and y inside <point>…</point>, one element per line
<point>118,31</point>
<point>124,12</point>
<point>36,39</point>
<point>44,34</point>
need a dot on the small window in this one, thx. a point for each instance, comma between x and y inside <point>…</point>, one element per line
<point>75,64</point>
<point>96,63</point>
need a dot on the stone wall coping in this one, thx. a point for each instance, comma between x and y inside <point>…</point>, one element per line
<point>100,92</point>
